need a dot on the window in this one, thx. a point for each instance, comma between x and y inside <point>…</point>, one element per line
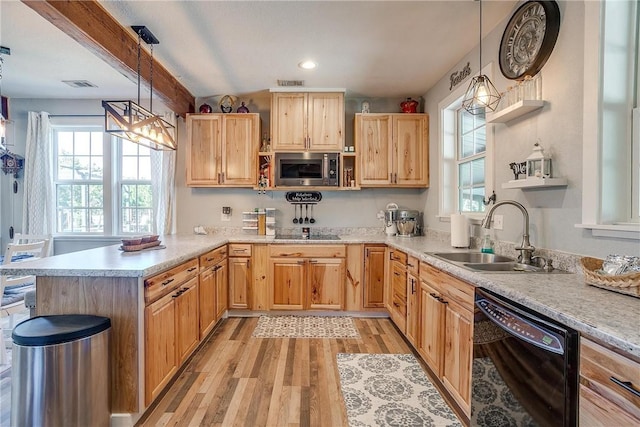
<point>102,184</point>
<point>466,169</point>
<point>470,157</point>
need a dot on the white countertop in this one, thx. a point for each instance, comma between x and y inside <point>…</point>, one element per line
<point>607,316</point>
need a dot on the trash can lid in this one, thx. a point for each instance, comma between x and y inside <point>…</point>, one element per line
<point>58,329</point>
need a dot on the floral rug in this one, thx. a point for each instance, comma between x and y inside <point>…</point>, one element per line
<point>305,327</point>
<point>390,390</point>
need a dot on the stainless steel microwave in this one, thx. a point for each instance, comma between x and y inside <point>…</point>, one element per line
<point>307,169</point>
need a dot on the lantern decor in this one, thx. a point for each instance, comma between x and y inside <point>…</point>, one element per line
<point>539,163</point>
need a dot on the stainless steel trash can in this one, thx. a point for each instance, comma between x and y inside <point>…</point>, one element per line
<point>61,371</point>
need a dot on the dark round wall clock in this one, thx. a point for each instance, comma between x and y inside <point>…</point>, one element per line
<point>529,38</point>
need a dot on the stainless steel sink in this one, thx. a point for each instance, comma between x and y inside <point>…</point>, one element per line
<point>472,257</point>
<point>489,263</point>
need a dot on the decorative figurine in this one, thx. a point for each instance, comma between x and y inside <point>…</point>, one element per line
<point>242,108</point>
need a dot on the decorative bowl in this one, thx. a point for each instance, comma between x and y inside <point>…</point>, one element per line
<point>132,241</point>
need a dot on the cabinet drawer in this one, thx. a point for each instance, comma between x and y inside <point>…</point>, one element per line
<point>398,256</point>
<point>213,257</point>
<point>239,249</point>
<point>450,287</point>
<point>158,285</point>
<point>307,251</point>
<point>601,370</point>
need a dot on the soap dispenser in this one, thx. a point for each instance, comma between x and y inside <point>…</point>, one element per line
<point>486,245</point>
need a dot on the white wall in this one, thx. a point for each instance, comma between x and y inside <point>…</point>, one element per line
<point>553,212</point>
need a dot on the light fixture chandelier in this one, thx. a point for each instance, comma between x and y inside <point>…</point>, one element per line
<point>481,94</point>
<point>129,120</point>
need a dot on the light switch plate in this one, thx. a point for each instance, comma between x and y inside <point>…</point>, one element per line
<point>498,222</point>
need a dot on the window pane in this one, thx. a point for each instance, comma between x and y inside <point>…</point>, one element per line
<point>128,195</point>
<point>96,167</point>
<point>95,196</point>
<point>129,168</point>
<point>464,173</point>
<point>63,196</point>
<point>96,143</point>
<point>129,148</point>
<point>65,167</point>
<point>81,167</point>
<point>79,219</point>
<point>82,143</point>
<point>145,168</point>
<point>480,140</point>
<point>477,168</point>
<point>144,196</point>
<point>477,196</point>
<point>97,220</point>
<point>65,143</point>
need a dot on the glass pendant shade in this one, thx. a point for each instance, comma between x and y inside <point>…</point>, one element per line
<point>128,120</point>
<point>480,96</point>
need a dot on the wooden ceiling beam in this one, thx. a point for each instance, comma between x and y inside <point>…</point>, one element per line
<point>93,27</point>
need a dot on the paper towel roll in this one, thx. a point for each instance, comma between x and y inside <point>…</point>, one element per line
<point>459,231</point>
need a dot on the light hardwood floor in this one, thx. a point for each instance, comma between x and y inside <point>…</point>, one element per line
<point>235,379</point>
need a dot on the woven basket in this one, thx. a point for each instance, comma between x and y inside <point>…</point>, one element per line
<point>628,284</point>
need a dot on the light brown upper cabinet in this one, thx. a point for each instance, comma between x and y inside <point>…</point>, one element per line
<point>307,121</point>
<point>393,149</point>
<point>222,150</point>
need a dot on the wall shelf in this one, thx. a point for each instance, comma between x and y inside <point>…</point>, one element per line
<point>516,110</point>
<point>536,183</point>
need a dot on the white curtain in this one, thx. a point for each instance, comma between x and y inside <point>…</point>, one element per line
<point>163,184</point>
<point>37,209</point>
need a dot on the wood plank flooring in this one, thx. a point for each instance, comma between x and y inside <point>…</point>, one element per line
<point>237,380</point>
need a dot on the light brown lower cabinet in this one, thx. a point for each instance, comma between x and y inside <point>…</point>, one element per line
<point>609,385</point>
<point>374,276</point>
<point>171,324</point>
<point>240,276</point>
<point>213,268</point>
<point>307,277</point>
<point>413,301</point>
<point>397,303</point>
<point>446,341</point>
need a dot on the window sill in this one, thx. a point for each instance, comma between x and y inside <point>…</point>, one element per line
<point>626,231</point>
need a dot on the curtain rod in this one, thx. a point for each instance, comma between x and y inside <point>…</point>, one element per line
<point>76,115</point>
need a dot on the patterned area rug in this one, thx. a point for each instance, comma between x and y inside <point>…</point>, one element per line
<point>390,390</point>
<point>305,327</point>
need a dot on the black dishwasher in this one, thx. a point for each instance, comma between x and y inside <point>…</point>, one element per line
<point>525,366</point>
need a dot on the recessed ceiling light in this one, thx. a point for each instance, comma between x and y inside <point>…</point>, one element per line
<point>307,65</point>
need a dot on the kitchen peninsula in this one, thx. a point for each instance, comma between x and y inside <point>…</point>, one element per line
<point>106,281</point>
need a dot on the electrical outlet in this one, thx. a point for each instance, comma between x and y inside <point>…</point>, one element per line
<point>226,213</point>
<point>498,222</point>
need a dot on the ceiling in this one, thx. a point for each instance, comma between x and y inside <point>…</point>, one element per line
<point>372,48</point>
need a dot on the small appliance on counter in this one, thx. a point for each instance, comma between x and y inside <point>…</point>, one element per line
<point>390,216</point>
<point>408,223</point>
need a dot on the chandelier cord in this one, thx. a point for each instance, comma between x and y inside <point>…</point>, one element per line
<point>480,70</point>
<point>151,83</point>
<point>139,41</point>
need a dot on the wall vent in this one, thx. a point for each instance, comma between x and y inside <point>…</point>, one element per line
<point>79,83</point>
<point>290,82</point>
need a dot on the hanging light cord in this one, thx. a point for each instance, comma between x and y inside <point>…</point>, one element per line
<point>480,70</point>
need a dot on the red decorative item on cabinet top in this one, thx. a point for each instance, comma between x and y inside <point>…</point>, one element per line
<point>206,108</point>
<point>409,106</point>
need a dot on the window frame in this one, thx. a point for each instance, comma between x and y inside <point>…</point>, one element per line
<point>594,126</point>
<point>447,166</point>
<point>111,180</point>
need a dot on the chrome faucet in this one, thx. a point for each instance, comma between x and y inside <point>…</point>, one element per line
<point>525,248</point>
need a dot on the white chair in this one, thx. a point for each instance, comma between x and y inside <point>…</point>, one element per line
<point>13,288</point>
<point>30,238</point>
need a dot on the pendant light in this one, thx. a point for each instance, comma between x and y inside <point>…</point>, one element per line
<point>481,94</point>
<point>129,120</point>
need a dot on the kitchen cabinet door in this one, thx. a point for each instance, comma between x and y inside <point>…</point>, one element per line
<point>204,136</point>
<point>304,121</point>
<point>432,318</point>
<point>239,282</point>
<point>288,121</point>
<point>287,284</point>
<point>222,289</point>
<point>187,325</point>
<point>160,340</point>
<point>458,353</point>
<point>413,311</point>
<point>240,136</point>
<point>207,299</point>
<point>325,276</point>
<point>411,162</point>
<point>374,144</point>
<point>325,121</point>
<point>374,276</point>
<point>222,150</point>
